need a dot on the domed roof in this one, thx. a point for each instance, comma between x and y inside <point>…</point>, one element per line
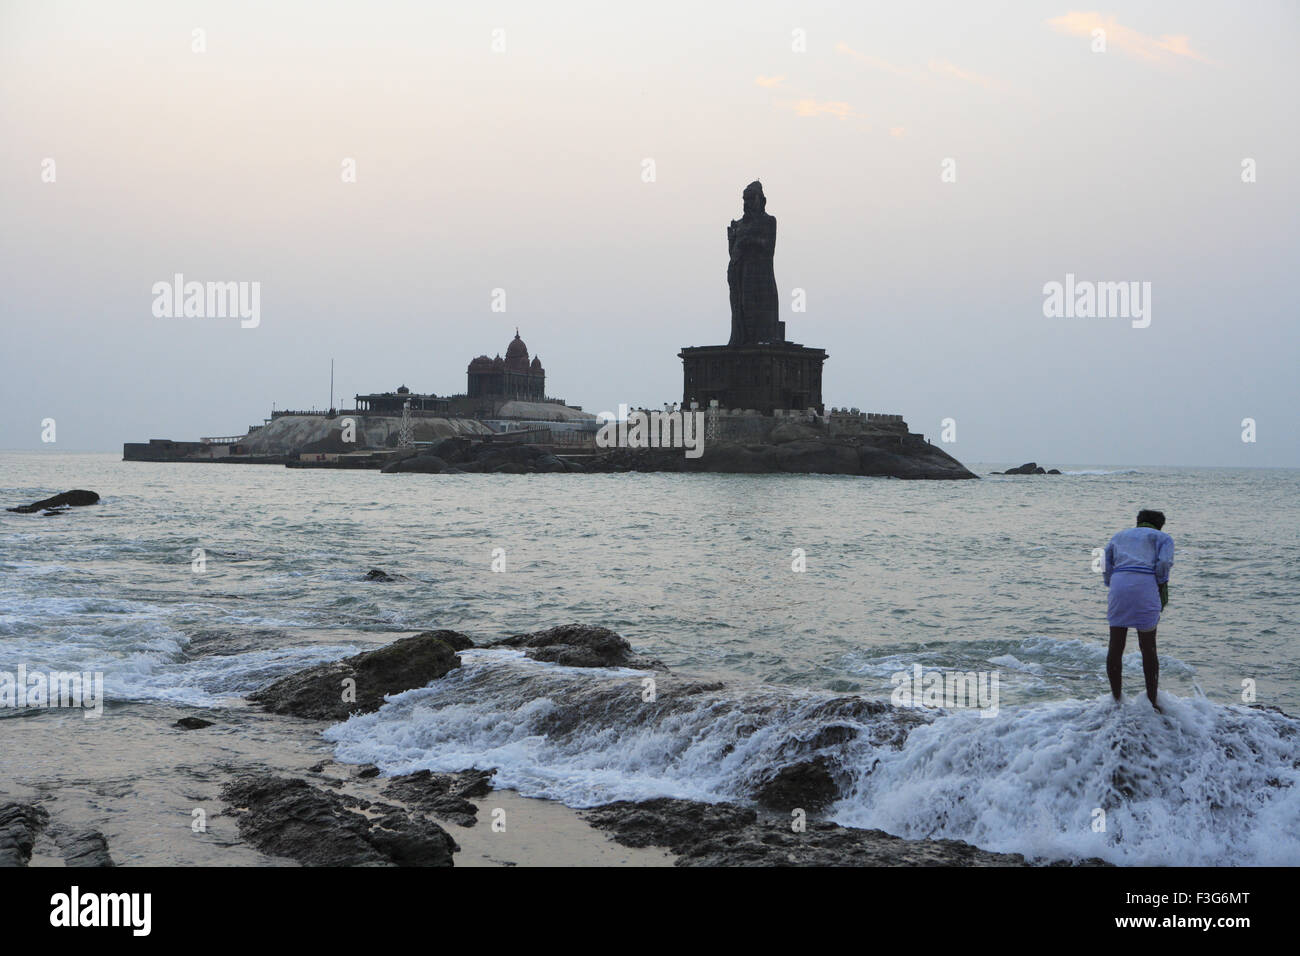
<point>537,364</point>
<point>517,354</point>
<point>403,390</point>
<point>498,362</point>
<point>481,364</point>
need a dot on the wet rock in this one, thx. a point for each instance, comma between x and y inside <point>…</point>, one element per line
<point>808,785</point>
<point>666,822</point>
<point>1053,471</point>
<point>288,817</point>
<point>19,825</point>
<point>76,498</point>
<point>580,645</point>
<point>367,771</point>
<point>376,574</point>
<point>727,835</point>
<point>318,692</point>
<point>453,639</point>
<point>1028,468</point>
<point>83,848</point>
<point>443,794</point>
<point>192,723</point>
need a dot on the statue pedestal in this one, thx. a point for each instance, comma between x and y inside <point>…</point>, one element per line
<point>764,377</point>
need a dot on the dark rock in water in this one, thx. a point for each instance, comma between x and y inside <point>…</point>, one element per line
<point>84,848</point>
<point>723,834</point>
<point>1028,468</point>
<point>318,692</point>
<point>443,794</point>
<point>368,771</point>
<point>76,498</point>
<point>192,723</point>
<point>54,511</point>
<point>808,785</point>
<point>453,639</point>
<point>580,645</point>
<point>375,574</point>
<point>19,825</point>
<point>1053,471</point>
<point>289,817</point>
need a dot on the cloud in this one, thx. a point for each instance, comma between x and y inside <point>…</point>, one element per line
<point>1152,49</point>
<point>945,68</point>
<point>876,63</point>
<point>770,82</point>
<point>933,68</point>
<point>824,108</point>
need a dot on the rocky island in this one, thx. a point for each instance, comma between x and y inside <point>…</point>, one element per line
<point>757,399</point>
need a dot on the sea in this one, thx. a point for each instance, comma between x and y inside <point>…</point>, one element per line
<point>789,610</point>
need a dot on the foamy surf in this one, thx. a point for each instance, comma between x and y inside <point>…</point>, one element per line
<point>1203,784</point>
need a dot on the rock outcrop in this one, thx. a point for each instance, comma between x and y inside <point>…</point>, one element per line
<point>723,834</point>
<point>795,453</point>
<point>442,795</point>
<point>323,692</point>
<point>76,498</point>
<point>808,785</point>
<point>580,645</point>
<point>1028,468</point>
<point>460,456</point>
<point>19,825</point>
<point>288,817</point>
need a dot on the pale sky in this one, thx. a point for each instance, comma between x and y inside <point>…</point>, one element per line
<point>523,169</point>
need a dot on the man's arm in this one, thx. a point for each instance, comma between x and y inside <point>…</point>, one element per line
<point>1164,564</point>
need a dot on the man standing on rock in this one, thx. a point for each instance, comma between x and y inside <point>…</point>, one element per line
<point>1138,561</point>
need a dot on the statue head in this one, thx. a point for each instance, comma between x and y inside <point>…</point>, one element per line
<point>755,201</point>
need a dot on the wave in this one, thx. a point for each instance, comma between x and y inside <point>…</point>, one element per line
<point>1204,785</point>
<point>1103,471</point>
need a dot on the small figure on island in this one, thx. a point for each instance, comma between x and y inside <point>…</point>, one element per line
<point>751,242</point>
<point>1138,561</point>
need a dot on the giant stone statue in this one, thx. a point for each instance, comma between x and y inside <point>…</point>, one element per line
<point>751,240</point>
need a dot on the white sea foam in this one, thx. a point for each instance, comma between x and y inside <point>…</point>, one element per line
<point>1206,784</point>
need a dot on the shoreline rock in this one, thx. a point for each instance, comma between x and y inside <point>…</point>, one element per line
<point>288,817</point>
<point>580,645</point>
<point>320,692</point>
<point>724,834</point>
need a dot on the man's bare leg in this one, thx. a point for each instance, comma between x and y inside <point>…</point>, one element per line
<point>1150,664</point>
<point>1115,660</point>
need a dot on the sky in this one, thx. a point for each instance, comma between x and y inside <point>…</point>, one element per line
<point>381,168</point>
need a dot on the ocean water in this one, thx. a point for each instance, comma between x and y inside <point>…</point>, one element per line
<point>768,664</point>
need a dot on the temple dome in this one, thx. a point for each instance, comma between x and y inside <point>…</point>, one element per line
<point>537,364</point>
<point>498,363</point>
<point>517,354</point>
<point>481,364</point>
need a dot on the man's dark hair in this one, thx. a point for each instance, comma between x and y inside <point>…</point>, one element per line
<point>1156,518</point>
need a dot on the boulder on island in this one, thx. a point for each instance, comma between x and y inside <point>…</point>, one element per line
<point>320,692</point>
